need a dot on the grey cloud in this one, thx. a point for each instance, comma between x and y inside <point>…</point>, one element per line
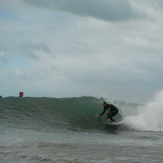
<point>108,10</point>
<point>158,4</point>
<point>3,58</point>
<point>29,49</point>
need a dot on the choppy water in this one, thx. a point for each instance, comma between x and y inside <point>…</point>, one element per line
<point>65,130</point>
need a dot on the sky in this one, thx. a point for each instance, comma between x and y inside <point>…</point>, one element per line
<point>73,48</point>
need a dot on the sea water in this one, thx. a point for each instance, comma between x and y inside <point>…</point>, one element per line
<point>65,130</point>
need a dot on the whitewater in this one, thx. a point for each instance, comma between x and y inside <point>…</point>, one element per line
<point>65,130</point>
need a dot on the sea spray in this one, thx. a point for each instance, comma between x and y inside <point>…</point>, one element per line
<point>149,116</point>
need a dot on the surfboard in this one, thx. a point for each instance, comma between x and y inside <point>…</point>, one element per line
<point>112,125</point>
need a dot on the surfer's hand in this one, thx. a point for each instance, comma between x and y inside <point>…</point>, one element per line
<point>97,115</point>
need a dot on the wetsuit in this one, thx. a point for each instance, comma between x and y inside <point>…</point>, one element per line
<point>112,111</point>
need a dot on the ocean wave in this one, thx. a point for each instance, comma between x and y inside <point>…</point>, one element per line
<point>76,113</point>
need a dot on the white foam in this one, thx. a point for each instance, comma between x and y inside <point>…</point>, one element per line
<point>150,117</point>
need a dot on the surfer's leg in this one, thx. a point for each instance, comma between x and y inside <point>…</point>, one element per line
<point>112,114</point>
<point>108,117</point>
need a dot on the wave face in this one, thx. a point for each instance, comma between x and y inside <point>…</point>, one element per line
<point>77,113</point>
<point>52,113</point>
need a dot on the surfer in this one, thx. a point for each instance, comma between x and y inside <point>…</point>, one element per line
<point>21,94</point>
<point>112,111</point>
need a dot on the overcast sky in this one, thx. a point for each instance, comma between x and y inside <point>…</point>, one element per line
<point>67,48</point>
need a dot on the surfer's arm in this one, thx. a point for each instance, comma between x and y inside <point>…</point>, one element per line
<point>102,112</point>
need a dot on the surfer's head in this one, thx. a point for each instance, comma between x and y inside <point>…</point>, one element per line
<point>104,103</point>
<point>21,94</point>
